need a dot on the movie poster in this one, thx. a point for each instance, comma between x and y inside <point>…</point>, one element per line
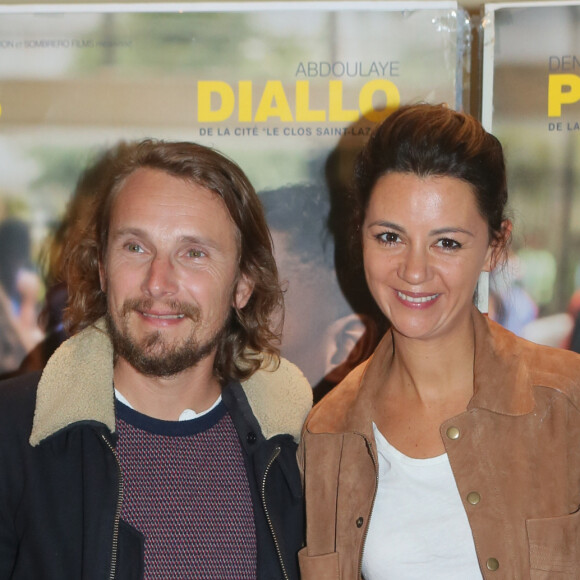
<point>288,90</point>
<point>531,102</point>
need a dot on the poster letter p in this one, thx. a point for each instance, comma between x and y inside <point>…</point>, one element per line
<point>563,89</point>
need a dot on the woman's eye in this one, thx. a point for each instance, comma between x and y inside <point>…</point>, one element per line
<point>388,238</point>
<point>449,244</point>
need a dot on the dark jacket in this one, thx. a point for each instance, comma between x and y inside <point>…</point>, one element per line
<point>60,484</point>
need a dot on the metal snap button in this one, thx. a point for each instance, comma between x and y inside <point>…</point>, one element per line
<point>492,564</point>
<point>453,433</point>
<point>473,498</point>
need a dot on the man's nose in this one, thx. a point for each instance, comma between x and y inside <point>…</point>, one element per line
<point>161,279</point>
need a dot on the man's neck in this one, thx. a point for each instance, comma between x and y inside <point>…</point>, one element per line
<point>166,398</point>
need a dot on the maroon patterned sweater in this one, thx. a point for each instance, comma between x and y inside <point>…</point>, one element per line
<point>186,490</point>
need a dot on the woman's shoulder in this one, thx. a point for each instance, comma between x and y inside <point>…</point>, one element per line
<point>553,367</point>
<point>330,412</point>
<point>545,366</point>
<point>349,406</point>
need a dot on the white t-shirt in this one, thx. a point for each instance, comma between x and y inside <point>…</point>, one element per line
<point>418,528</point>
<point>185,415</point>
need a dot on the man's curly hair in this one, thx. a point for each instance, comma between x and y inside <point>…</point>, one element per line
<point>249,330</point>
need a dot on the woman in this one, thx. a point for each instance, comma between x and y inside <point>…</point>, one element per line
<point>454,451</point>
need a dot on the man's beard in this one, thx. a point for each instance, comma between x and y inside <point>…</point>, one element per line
<point>153,355</point>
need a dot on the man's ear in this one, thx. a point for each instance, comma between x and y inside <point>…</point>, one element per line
<point>498,248</point>
<point>244,289</point>
<point>102,277</point>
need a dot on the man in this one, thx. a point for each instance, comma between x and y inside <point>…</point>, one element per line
<point>160,441</point>
<point>322,334</point>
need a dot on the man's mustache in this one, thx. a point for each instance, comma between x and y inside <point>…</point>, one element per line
<point>169,307</point>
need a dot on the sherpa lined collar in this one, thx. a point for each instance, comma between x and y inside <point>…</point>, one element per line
<point>77,385</point>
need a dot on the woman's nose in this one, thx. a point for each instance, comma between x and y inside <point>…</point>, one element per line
<point>414,266</point>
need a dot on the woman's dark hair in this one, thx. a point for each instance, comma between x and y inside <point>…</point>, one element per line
<point>433,140</point>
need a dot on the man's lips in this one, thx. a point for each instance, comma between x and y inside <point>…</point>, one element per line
<point>171,311</point>
<point>162,316</point>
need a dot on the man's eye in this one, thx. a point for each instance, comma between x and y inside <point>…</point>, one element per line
<point>136,248</point>
<point>195,254</point>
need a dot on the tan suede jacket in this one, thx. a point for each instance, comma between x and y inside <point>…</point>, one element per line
<point>515,455</point>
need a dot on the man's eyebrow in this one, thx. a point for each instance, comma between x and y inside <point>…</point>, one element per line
<point>199,240</point>
<point>185,239</point>
<point>119,232</point>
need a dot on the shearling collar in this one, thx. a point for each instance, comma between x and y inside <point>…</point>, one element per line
<point>77,385</point>
<point>506,370</point>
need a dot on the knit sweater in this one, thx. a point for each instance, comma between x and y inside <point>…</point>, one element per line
<point>186,490</point>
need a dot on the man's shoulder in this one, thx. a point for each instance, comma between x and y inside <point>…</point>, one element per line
<point>280,398</point>
<point>20,389</point>
<point>17,402</point>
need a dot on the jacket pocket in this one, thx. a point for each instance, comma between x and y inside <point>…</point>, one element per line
<point>554,545</point>
<point>325,567</point>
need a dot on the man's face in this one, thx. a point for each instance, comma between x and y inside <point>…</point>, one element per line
<point>313,304</point>
<point>170,272</point>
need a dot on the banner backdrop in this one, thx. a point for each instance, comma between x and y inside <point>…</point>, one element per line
<point>531,102</point>
<point>288,90</point>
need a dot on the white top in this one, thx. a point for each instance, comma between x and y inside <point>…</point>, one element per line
<point>185,415</point>
<point>418,527</point>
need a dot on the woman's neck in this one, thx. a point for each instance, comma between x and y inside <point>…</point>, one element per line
<point>429,381</point>
<point>437,369</point>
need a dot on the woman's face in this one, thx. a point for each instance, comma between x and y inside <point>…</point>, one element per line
<point>424,246</point>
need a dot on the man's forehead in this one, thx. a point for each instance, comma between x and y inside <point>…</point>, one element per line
<point>148,178</point>
<point>148,187</point>
<point>147,183</point>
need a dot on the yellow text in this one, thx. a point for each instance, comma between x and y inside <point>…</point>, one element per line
<point>563,89</point>
<point>217,100</point>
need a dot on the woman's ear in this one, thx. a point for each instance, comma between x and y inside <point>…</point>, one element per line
<point>499,246</point>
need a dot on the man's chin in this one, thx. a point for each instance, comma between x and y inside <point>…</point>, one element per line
<point>154,356</point>
<point>158,368</point>
<point>164,363</point>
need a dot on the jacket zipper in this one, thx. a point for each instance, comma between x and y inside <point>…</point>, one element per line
<point>117,511</point>
<point>360,560</point>
<point>271,526</point>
